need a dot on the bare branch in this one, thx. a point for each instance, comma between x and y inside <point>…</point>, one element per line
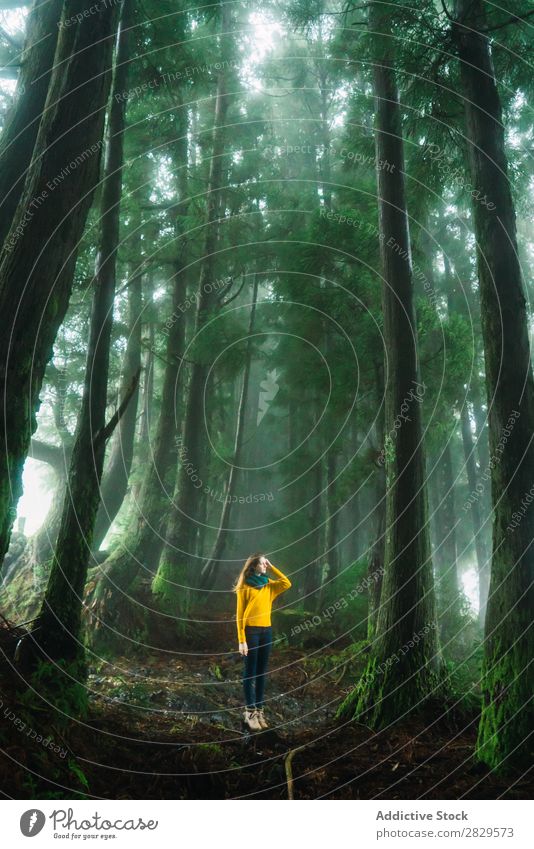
<point>45,452</point>
<point>229,300</point>
<point>514,19</point>
<point>104,434</point>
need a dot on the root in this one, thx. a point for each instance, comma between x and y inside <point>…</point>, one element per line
<point>288,764</point>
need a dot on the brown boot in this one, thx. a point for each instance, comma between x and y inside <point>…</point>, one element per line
<point>261,718</point>
<point>250,717</point>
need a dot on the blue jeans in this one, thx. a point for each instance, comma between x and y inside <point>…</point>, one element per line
<point>259,641</point>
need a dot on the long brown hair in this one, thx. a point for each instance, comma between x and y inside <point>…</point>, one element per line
<point>250,564</point>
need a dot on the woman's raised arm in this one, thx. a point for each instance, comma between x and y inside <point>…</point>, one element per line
<point>281,583</point>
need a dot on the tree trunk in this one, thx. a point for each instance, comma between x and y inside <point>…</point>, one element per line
<point>115,482</point>
<point>376,557</point>
<point>508,672</point>
<point>313,547</point>
<point>480,548</point>
<point>447,586</point>
<point>142,455</point>
<point>57,628</point>
<point>208,571</point>
<point>41,248</point>
<point>481,422</point>
<point>407,613</point>
<point>20,130</point>
<point>141,545</point>
<point>332,526</point>
<point>176,574</point>
<point>375,563</point>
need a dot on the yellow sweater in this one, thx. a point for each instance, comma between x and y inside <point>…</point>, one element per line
<point>254,604</point>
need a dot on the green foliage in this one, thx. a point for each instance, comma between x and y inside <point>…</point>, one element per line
<point>60,687</point>
<point>78,773</point>
<point>210,749</point>
<point>345,601</point>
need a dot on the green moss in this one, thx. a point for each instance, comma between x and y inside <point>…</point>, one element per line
<point>59,687</point>
<point>211,749</point>
<point>171,593</point>
<point>382,697</point>
<point>505,732</point>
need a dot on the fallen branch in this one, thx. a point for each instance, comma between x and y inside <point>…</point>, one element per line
<point>343,670</point>
<point>288,763</point>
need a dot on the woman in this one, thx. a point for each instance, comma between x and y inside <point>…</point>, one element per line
<point>255,596</point>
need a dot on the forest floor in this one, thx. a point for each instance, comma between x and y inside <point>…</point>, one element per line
<point>167,725</point>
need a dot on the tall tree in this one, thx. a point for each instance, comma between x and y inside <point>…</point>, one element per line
<point>140,546</point>
<point>46,232</point>
<point>480,547</point>
<point>447,569</point>
<point>119,464</point>
<point>508,671</point>
<point>217,552</point>
<point>57,629</point>
<point>174,572</point>
<point>407,609</point>
<point>20,131</point>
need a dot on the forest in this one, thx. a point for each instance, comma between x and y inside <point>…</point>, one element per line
<point>266,275</point>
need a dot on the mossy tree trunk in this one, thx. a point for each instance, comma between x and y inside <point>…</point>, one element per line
<point>332,527</point>
<point>313,540</point>
<point>42,244</point>
<point>448,590</point>
<point>375,562</point>
<point>140,547</point>
<point>480,547</point>
<point>508,672</point>
<point>57,629</point>
<point>208,571</point>
<point>19,133</point>
<point>118,467</point>
<point>178,569</point>
<point>142,451</point>
<point>397,680</point>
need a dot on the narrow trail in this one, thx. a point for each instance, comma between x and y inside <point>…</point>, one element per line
<point>167,725</point>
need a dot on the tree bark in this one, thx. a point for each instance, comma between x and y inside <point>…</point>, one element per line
<point>407,611</point>
<point>41,247</point>
<point>142,543</point>
<point>332,526</point>
<point>508,672</point>
<point>117,473</point>
<point>480,547</point>
<point>217,552</point>
<point>448,591</point>
<point>18,137</point>
<point>142,455</point>
<point>176,574</point>
<point>313,543</point>
<point>57,629</point>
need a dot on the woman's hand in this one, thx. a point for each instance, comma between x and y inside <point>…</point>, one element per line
<point>243,649</point>
<point>268,564</point>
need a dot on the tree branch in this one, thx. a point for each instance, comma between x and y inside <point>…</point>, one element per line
<point>44,452</point>
<point>229,300</point>
<point>514,19</point>
<point>104,434</point>
<point>18,45</point>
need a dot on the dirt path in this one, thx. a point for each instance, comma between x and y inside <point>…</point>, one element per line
<point>176,731</point>
<point>167,725</point>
